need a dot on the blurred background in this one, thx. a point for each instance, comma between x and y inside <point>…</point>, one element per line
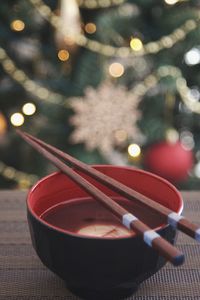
<point>108,81</point>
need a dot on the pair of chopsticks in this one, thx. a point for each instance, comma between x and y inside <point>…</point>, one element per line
<point>150,237</point>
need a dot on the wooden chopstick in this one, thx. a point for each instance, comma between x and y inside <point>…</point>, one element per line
<point>170,217</point>
<point>150,237</point>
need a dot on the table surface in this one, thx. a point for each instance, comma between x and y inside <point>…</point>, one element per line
<point>23,276</point>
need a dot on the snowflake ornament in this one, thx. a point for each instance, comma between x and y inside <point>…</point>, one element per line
<point>105,117</point>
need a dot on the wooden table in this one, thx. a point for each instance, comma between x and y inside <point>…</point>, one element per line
<point>22,275</point>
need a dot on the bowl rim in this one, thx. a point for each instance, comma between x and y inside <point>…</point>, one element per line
<point>66,232</point>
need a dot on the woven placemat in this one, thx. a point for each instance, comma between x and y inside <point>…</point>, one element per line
<point>22,275</point>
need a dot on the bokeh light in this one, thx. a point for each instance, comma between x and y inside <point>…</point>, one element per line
<point>17,119</point>
<point>63,55</point>
<point>116,69</point>
<point>90,28</point>
<point>29,109</point>
<point>134,150</point>
<point>17,25</point>
<point>136,44</point>
<point>192,57</point>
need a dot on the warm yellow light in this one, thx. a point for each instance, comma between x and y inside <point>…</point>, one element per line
<point>90,28</point>
<point>17,119</point>
<point>134,150</point>
<point>29,109</point>
<point>17,25</point>
<point>116,69</point>
<point>136,44</point>
<point>171,2</point>
<point>63,55</point>
<point>3,124</point>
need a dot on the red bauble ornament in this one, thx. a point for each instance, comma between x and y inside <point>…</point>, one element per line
<point>169,160</point>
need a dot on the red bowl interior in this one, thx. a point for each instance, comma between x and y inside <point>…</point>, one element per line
<point>57,188</point>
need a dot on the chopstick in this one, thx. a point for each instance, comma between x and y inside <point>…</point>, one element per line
<point>150,237</point>
<point>170,217</point>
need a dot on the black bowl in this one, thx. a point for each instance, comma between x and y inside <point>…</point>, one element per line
<point>92,267</point>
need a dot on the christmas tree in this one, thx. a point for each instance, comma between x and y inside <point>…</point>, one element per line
<point>108,81</point>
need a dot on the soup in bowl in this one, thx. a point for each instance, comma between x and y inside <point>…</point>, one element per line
<point>85,244</point>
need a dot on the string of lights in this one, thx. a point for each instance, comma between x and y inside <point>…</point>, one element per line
<point>29,85</point>
<point>181,85</point>
<point>24,180</point>
<point>184,91</point>
<point>137,48</point>
<point>189,100</point>
<point>140,89</point>
<point>45,94</point>
<point>95,4</point>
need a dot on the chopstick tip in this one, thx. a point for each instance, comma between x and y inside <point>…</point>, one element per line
<point>197,235</point>
<point>178,260</point>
